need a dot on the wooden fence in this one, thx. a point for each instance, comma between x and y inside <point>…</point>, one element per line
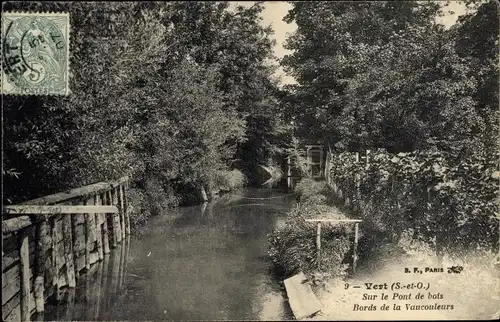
<point>50,241</point>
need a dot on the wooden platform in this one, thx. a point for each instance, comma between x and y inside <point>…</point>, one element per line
<point>301,298</point>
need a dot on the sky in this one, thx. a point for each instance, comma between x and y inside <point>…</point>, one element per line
<point>275,11</point>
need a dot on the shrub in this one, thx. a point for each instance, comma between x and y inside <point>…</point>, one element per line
<point>229,180</point>
<point>138,207</point>
<point>446,203</point>
<point>293,248</point>
<point>153,199</point>
<point>309,188</point>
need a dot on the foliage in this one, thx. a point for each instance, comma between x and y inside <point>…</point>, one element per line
<point>293,248</point>
<point>386,75</point>
<point>229,180</point>
<point>309,188</point>
<point>297,158</point>
<point>447,203</point>
<point>158,90</point>
<point>139,207</point>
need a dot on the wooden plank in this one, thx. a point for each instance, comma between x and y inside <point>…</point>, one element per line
<point>14,304</point>
<point>59,224</point>
<point>9,259</point>
<point>61,258</point>
<point>10,244</point>
<point>54,255</point>
<point>79,239</point>
<point>80,263</point>
<point>14,315</point>
<point>10,253</point>
<point>79,219</point>
<point>25,278</point>
<point>14,224</point>
<point>43,240</point>
<point>68,251</point>
<point>301,298</point>
<point>93,257</point>
<point>9,275</point>
<point>127,210</point>
<point>75,193</point>
<point>88,234</point>
<point>13,287</point>
<point>57,209</point>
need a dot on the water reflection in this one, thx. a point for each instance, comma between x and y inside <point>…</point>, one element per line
<point>96,291</point>
<point>206,262</point>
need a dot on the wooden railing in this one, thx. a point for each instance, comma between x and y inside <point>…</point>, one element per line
<point>48,242</point>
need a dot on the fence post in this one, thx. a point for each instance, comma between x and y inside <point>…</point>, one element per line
<point>122,211</point>
<point>40,260</point>
<point>98,231</point>
<point>289,173</point>
<point>68,250</point>
<point>105,237</point>
<point>127,213</point>
<point>367,159</point>
<point>24,257</point>
<point>318,244</point>
<point>438,235</point>
<point>355,248</point>
<point>88,234</point>
<point>116,218</point>
<point>55,260</point>
<point>111,218</point>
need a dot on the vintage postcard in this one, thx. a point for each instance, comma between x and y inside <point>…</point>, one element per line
<point>35,51</point>
<point>250,160</point>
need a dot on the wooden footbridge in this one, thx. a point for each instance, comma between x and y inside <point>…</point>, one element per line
<point>49,242</point>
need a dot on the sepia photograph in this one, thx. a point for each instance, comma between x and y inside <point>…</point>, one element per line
<point>250,160</point>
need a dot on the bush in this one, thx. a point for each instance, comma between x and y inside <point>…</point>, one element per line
<point>229,180</point>
<point>446,203</point>
<point>293,248</point>
<point>153,199</point>
<point>309,188</point>
<point>138,207</point>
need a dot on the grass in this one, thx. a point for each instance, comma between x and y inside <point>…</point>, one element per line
<point>293,248</point>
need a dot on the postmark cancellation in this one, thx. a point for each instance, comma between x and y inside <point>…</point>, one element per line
<point>35,51</point>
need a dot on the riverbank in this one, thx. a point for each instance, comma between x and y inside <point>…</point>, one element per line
<point>151,197</point>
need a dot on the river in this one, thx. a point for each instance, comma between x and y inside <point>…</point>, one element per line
<point>205,262</point>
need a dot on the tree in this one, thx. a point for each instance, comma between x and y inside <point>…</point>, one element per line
<point>386,75</point>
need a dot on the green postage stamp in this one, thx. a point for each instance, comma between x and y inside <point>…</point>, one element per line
<point>35,51</point>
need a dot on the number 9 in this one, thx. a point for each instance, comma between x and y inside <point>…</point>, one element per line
<point>346,286</point>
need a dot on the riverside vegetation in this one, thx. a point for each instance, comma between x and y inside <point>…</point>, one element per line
<point>389,78</point>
